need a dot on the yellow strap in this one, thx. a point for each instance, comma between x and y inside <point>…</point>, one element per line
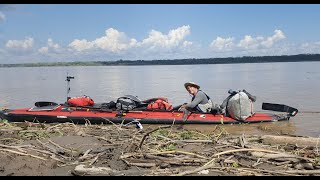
<point>221,119</point>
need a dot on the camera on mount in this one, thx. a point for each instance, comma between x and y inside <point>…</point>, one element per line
<point>69,77</point>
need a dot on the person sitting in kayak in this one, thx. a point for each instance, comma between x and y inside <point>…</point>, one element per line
<point>200,101</point>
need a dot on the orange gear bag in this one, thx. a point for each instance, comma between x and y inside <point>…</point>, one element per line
<point>160,104</point>
<point>81,101</point>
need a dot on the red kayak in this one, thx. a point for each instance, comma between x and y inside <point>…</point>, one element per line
<point>80,110</point>
<point>59,113</point>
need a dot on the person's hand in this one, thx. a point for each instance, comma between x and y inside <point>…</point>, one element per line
<point>183,106</point>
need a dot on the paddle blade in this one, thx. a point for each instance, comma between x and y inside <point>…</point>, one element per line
<point>280,108</point>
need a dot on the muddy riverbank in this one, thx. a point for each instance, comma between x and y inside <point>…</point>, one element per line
<point>33,149</point>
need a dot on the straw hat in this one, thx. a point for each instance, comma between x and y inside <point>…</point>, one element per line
<point>191,84</point>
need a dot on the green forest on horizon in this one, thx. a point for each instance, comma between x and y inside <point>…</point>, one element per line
<point>228,60</point>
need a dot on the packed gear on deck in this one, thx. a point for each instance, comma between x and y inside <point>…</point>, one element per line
<point>81,101</point>
<point>160,104</point>
<point>109,105</point>
<point>127,103</point>
<point>238,105</point>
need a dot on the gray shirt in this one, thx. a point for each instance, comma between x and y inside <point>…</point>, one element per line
<point>200,98</point>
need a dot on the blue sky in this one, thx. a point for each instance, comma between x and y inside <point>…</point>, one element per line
<point>108,32</point>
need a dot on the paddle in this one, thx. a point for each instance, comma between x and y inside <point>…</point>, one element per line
<point>280,108</point>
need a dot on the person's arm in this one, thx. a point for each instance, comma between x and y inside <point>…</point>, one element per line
<point>199,97</point>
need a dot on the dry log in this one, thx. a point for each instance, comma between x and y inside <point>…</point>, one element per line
<point>52,155</point>
<point>179,152</point>
<point>307,166</point>
<point>150,156</point>
<point>298,141</point>
<point>284,173</point>
<point>85,155</point>
<point>144,165</point>
<point>279,156</point>
<point>237,150</point>
<point>197,170</point>
<point>193,141</point>
<point>60,148</point>
<point>13,147</point>
<point>174,160</point>
<point>305,172</point>
<point>147,134</point>
<point>82,170</point>
<point>96,158</point>
<point>51,148</point>
<point>23,154</point>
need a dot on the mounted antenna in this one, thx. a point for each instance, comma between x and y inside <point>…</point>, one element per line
<point>68,85</point>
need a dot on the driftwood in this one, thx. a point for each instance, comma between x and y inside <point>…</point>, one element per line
<point>23,154</point>
<point>147,134</point>
<point>305,172</point>
<point>298,141</point>
<point>83,170</point>
<point>237,150</point>
<point>85,155</point>
<point>196,170</point>
<point>174,161</point>
<point>60,148</point>
<point>115,151</point>
<point>149,161</point>
<point>13,147</point>
<point>51,148</point>
<point>144,165</point>
<point>279,157</point>
<point>180,152</point>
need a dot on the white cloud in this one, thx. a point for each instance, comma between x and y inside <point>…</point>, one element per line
<point>248,45</point>
<point>43,50</point>
<point>114,41</point>
<point>260,42</point>
<point>2,17</point>
<point>80,45</point>
<point>221,44</point>
<point>25,44</point>
<point>6,7</point>
<point>51,46</point>
<point>309,48</point>
<point>114,45</point>
<point>158,41</point>
<point>187,43</point>
<point>271,40</point>
<point>117,44</point>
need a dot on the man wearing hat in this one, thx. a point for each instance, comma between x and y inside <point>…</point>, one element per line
<point>200,101</point>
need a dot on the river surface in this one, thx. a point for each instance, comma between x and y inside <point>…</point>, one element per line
<point>296,84</point>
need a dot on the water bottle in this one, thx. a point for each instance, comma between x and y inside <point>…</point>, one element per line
<point>139,125</point>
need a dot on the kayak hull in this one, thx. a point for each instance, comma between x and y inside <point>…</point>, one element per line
<point>61,114</point>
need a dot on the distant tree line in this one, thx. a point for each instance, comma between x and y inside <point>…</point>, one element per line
<point>228,60</point>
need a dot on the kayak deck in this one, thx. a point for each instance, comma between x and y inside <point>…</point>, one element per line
<point>59,114</point>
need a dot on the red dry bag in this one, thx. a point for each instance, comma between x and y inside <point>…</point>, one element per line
<point>81,101</point>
